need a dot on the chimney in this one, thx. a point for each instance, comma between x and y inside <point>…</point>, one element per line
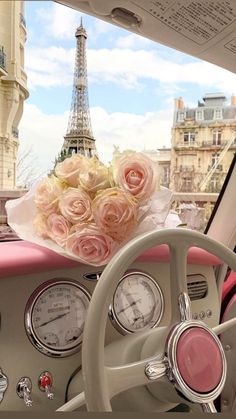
<point>179,103</point>
<point>233,100</point>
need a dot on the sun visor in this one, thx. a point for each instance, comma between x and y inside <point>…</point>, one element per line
<point>203,29</point>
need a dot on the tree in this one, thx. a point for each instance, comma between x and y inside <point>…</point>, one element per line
<point>27,168</point>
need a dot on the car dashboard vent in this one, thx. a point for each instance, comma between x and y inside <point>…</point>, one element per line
<point>197,289</point>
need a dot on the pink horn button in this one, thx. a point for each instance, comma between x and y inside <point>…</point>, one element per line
<point>199,360</point>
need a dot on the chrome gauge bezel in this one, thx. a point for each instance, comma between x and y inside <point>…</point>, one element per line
<point>112,312</point>
<point>29,327</point>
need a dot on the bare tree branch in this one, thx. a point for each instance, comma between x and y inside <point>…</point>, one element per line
<point>27,168</point>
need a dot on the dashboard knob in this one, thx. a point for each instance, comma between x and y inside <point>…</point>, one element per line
<point>23,390</point>
<point>45,384</point>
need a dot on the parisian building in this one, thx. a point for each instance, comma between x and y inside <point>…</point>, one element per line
<point>13,92</point>
<point>13,87</point>
<point>203,143</point>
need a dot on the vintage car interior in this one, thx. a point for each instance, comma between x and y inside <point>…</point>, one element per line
<point>160,317</point>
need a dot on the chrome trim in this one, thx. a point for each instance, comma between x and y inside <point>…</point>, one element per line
<point>3,384</point>
<point>23,390</point>
<point>89,276</point>
<point>34,339</point>
<point>174,374</point>
<point>112,314</point>
<point>208,407</point>
<point>185,307</point>
<point>156,369</point>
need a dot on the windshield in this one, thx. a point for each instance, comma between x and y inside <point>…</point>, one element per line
<point>142,96</point>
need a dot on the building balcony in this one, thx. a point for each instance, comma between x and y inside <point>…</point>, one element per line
<point>24,77</point>
<point>15,132</point>
<point>219,168</point>
<point>211,144</point>
<point>22,20</point>
<point>190,144</point>
<point>184,168</point>
<point>3,64</point>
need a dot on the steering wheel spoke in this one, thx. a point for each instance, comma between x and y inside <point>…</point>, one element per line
<point>208,407</point>
<point>220,328</point>
<point>135,374</point>
<point>185,307</point>
<point>181,305</point>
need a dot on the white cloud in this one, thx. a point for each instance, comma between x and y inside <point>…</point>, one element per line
<point>60,22</point>
<point>53,66</point>
<point>44,133</point>
<point>48,67</point>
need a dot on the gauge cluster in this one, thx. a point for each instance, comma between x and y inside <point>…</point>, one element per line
<point>56,311</point>
<point>55,316</point>
<point>137,303</point>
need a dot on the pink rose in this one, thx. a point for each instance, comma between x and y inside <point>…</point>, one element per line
<point>58,228</point>
<point>115,212</point>
<point>40,225</point>
<point>90,245</point>
<point>76,205</point>
<point>69,169</point>
<point>95,177</point>
<point>135,173</point>
<point>47,195</point>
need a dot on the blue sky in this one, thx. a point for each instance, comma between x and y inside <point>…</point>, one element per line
<point>132,83</point>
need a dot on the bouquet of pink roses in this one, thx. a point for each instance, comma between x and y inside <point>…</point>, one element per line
<point>87,211</point>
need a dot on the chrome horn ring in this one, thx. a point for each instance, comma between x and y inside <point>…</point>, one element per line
<point>201,346</point>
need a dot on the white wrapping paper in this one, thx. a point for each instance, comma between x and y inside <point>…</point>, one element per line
<point>155,214</point>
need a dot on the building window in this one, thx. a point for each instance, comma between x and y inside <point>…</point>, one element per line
<point>216,137</point>
<point>187,185</point>
<point>189,137</point>
<point>181,116</point>
<point>166,175</point>
<point>218,114</point>
<point>215,158</point>
<point>22,56</point>
<point>214,185</point>
<point>199,115</point>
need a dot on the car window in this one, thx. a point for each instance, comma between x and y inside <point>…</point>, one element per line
<point>179,110</point>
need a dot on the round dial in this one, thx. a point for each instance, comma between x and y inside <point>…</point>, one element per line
<point>137,303</point>
<point>55,316</point>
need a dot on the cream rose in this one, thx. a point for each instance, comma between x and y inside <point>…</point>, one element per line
<point>47,195</point>
<point>40,225</point>
<point>69,169</point>
<point>90,245</point>
<point>95,177</point>
<point>115,213</point>
<point>135,173</point>
<point>58,228</point>
<point>76,205</point>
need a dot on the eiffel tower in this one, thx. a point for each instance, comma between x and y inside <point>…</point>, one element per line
<point>79,137</point>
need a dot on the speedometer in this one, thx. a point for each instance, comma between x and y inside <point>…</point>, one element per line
<point>55,315</point>
<point>137,303</point>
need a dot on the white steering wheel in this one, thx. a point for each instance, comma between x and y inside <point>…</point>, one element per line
<point>192,358</point>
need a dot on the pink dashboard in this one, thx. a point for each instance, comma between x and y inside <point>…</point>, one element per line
<point>19,258</point>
